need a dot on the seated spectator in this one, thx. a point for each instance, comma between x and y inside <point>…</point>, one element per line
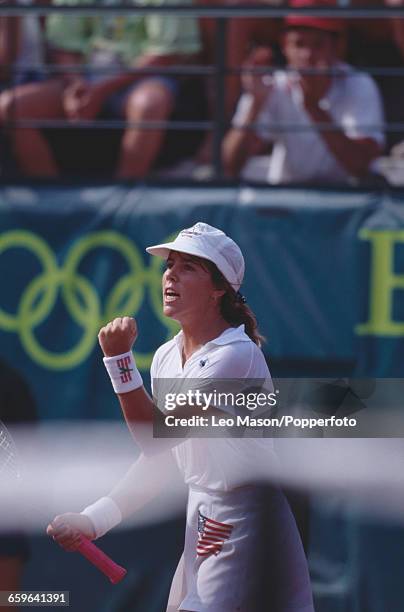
<point>290,108</point>
<point>42,98</point>
<point>114,44</point>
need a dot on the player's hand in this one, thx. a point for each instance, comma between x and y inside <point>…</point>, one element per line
<point>118,336</point>
<point>67,529</point>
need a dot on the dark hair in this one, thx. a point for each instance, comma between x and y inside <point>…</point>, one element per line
<point>233,308</point>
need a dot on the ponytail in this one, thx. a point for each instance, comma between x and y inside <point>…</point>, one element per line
<point>236,312</point>
<point>233,308</point>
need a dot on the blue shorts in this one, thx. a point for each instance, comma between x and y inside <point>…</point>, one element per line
<point>190,104</point>
<point>114,106</point>
<point>95,152</point>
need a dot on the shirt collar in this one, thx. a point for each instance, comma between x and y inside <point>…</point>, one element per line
<point>232,334</point>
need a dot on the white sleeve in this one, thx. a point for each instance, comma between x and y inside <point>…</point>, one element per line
<point>364,114</point>
<point>157,384</point>
<point>224,370</point>
<point>264,118</point>
<point>153,371</point>
<point>150,443</point>
<point>230,374</point>
<point>154,367</point>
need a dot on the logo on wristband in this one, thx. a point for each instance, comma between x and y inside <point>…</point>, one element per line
<point>124,369</point>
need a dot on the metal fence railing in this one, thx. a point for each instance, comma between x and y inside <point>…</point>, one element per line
<point>218,122</point>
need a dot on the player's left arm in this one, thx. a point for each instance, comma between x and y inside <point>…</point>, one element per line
<point>144,481</point>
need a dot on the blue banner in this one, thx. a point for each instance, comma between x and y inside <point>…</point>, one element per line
<point>324,274</point>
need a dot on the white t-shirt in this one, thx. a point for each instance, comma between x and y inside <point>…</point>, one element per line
<point>223,463</point>
<point>300,155</point>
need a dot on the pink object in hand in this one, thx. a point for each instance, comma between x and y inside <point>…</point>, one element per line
<point>104,563</point>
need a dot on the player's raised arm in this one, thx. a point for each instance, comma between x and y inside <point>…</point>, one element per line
<point>116,340</point>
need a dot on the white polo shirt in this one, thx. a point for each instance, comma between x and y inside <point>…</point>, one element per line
<point>224,463</point>
<point>300,154</point>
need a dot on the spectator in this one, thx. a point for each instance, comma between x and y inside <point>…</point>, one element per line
<point>115,44</point>
<point>37,98</point>
<point>346,100</point>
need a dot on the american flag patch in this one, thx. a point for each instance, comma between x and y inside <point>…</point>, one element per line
<point>124,369</point>
<point>211,536</point>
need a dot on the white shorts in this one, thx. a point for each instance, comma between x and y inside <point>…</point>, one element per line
<point>242,553</point>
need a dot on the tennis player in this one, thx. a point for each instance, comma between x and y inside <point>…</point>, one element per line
<point>242,548</point>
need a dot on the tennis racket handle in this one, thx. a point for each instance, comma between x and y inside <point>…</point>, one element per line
<point>104,563</point>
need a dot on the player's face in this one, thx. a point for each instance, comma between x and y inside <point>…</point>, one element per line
<point>309,48</point>
<point>188,290</point>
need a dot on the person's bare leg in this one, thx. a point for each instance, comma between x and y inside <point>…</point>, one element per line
<point>32,101</point>
<point>150,101</point>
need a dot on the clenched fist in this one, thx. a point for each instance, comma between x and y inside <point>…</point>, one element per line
<point>118,336</point>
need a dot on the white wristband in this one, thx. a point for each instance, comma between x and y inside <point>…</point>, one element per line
<point>104,515</point>
<point>123,372</point>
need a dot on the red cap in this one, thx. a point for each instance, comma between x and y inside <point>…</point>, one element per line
<point>328,24</point>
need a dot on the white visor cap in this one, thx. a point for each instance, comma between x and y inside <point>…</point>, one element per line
<point>203,240</point>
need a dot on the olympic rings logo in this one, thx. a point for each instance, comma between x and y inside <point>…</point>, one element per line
<point>79,296</point>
